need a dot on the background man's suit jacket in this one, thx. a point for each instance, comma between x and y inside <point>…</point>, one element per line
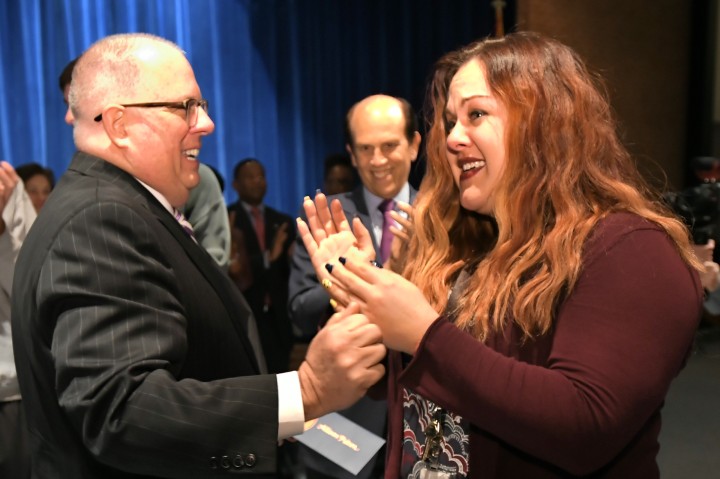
<point>308,306</point>
<point>134,350</point>
<point>271,282</point>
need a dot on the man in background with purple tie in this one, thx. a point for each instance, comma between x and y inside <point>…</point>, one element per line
<point>382,139</point>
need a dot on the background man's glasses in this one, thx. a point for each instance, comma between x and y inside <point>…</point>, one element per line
<point>190,106</point>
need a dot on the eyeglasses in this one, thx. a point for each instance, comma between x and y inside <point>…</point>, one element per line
<point>190,106</point>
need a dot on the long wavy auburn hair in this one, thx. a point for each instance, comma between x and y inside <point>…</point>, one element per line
<point>565,169</point>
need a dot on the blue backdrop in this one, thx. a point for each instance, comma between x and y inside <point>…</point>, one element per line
<point>279,74</point>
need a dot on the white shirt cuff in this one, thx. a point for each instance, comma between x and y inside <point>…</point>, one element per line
<point>291,414</point>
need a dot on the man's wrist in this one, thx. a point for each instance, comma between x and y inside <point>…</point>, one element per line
<point>310,397</point>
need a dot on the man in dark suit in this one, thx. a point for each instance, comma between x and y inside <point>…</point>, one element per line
<point>136,355</point>
<point>268,237</point>
<point>383,142</point>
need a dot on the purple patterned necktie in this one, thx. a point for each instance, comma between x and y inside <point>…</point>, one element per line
<point>186,226</point>
<point>386,242</point>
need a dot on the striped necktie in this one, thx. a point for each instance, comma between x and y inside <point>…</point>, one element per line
<point>186,226</point>
<point>386,241</point>
<point>259,224</point>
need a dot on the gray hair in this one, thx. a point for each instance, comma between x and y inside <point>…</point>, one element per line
<point>109,72</point>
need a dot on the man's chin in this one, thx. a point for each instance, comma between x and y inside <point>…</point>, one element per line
<point>192,180</point>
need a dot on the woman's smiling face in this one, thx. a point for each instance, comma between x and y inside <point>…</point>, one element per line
<point>475,124</point>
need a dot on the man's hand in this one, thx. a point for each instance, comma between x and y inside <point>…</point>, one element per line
<point>8,181</point>
<point>281,236</point>
<point>401,236</point>
<point>342,362</point>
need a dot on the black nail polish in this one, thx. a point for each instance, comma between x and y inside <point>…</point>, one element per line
<point>342,260</point>
<point>376,264</point>
<point>318,191</point>
<point>329,267</point>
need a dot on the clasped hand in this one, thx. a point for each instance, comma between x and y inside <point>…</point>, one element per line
<point>343,360</point>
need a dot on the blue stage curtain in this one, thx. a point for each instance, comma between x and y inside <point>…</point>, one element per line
<point>279,74</point>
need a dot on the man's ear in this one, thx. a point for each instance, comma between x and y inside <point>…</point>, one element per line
<point>349,149</point>
<point>415,145</point>
<point>113,120</point>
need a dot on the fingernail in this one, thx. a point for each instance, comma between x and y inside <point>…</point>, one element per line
<point>376,264</point>
<point>318,191</point>
<point>307,198</point>
<point>342,260</point>
<point>329,267</point>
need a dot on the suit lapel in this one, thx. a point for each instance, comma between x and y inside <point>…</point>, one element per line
<point>269,219</point>
<point>358,199</point>
<point>245,224</point>
<point>235,305</point>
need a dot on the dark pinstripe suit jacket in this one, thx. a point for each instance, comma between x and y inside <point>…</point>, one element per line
<point>132,346</point>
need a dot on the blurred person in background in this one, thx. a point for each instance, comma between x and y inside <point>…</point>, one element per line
<point>39,182</point>
<point>264,237</point>
<point>339,174</point>
<point>17,215</point>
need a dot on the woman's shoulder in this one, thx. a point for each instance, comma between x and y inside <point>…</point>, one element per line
<point>618,224</point>
<point>618,229</point>
<point>624,220</point>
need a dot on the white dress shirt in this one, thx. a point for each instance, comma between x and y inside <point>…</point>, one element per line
<point>376,216</point>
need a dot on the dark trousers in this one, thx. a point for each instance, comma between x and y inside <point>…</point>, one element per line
<point>14,442</point>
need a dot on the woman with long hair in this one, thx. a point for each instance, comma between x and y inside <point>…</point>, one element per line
<point>547,298</point>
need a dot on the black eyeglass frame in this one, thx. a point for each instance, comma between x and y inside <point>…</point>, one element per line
<point>185,105</point>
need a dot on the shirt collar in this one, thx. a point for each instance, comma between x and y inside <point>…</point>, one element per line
<point>158,196</point>
<point>373,202</point>
<point>249,208</point>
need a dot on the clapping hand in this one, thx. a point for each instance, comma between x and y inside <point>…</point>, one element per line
<point>401,236</point>
<point>8,181</point>
<point>281,236</point>
<point>388,300</point>
<point>328,235</point>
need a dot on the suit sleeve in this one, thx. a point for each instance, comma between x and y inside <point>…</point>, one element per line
<point>118,346</point>
<point>308,302</point>
<point>618,341</point>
